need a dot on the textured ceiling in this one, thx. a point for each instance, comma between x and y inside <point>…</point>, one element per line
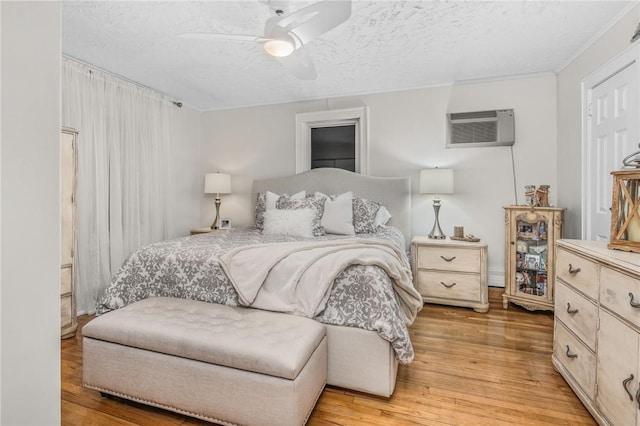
<point>384,46</point>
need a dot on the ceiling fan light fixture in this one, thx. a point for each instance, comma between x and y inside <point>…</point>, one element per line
<point>279,48</point>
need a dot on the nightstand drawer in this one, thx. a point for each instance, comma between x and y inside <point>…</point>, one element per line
<point>449,259</point>
<point>578,272</point>
<point>576,358</point>
<point>616,290</point>
<point>449,286</point>
<point>577,313</point>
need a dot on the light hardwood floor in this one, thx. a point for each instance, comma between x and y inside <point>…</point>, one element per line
<point>469,369</point>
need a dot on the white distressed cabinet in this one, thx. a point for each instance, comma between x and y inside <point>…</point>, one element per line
<point>68,320</point>
<point>530,236</point>
<point>596,343</point>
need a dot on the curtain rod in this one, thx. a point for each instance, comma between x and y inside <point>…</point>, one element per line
<point>135,83</point>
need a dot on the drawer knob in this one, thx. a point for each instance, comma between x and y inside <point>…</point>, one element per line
<point>625,382</point>
<point>571,311</point>
<point>447,285</point>
<point>447,259</point>
<point>632,302</point>
<point>572,270</point>
<point>569,354</point>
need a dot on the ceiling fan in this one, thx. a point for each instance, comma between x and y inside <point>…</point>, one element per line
<point>285,33</point>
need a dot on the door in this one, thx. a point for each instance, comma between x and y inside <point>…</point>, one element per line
<point>612,132</point>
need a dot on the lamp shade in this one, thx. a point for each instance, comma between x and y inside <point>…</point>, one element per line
<point>436,181</point>
<point>217,183</point>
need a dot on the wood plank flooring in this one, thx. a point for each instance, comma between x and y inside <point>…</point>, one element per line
<point>469,369</point>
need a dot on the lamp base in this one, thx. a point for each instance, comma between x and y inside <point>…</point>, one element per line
<point>436,232</point>
<point>215,224</point>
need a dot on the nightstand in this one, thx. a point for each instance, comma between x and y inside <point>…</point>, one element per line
<point>201,231</point>
<point>451,272</point>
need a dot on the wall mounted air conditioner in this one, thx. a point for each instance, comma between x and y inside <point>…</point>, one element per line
<point>481,128</point>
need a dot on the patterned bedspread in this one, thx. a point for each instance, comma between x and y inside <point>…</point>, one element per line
<point>362,296</point>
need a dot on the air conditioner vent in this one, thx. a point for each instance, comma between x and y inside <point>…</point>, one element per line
<point>481,128</point>
<point>473,115</point>
<point>484,131</point>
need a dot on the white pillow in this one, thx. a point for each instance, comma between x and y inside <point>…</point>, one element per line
<point>382,217</point>
<point>338,214</point>
<point>272,198</point>
<point>294,223</point>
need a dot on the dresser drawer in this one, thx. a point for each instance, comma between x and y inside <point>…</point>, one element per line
<point>578,272</point>
<point>615,288</point>
<point>576,358</point>
<point>578,313</point>
<point>449,285</point>
<point>449,259</point>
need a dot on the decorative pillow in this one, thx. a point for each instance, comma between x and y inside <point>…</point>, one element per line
<point>364,215</point>
<point>267,201</point>
<point>272,198</point>
<point>338,213</point>
<point>261,207</point>
<point>294,223</point>
<point>314,203</point>
<point>382,217</point>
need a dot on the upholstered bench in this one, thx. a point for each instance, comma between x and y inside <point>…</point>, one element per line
<point>218,363</point>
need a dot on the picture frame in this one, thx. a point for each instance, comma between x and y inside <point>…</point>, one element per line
<point>225,223</point>
<point>532,262</point>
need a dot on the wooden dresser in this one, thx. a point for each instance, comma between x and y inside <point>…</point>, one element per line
<point>451,272</point>
<point>596,342</point>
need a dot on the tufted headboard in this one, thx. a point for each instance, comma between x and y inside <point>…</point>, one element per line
<point>393,192</point>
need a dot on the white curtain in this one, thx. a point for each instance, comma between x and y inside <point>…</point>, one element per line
<point>123,193</point>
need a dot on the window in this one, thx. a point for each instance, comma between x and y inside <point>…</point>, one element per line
<point>335,138</point>
<point>334,146</point>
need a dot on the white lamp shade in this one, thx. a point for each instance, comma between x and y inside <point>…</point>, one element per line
<point>217,183</point>
<point>436,181</point>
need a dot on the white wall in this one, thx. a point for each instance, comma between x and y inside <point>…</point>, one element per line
<point>185,170</point>
<point>610,44</point>
<point>30,226</point>
<point>407,133</point>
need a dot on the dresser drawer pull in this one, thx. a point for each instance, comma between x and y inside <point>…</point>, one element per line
<point>638,396</point>
<point>632,302</point>
<point>573,271</point>
<point>447,285</point>
<point>569,354</point>
<point>571,311</point>
<point>625,382</point>
<point>447,259</point>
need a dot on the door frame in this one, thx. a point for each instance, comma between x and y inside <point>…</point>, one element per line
<point>306,121</point>
<point>617,64</point>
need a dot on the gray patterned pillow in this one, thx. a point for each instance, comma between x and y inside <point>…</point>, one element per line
<point>364,215</point>
<point>311,202</point>
<point>261,207</point>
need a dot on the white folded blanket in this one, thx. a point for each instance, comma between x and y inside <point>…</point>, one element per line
<point>297,277</point>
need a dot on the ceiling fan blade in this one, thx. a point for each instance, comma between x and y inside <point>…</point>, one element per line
<point>220,36</point>
<point>309,22</point>
<point>300,65</point>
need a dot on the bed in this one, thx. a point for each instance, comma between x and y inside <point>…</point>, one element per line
<point>363,349</point>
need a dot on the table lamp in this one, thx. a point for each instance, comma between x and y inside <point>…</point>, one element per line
<point>436,181</point>
<point>217,183</point>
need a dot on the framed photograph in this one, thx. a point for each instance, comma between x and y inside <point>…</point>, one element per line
<point>532,261</point>
<point>225,223</point>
